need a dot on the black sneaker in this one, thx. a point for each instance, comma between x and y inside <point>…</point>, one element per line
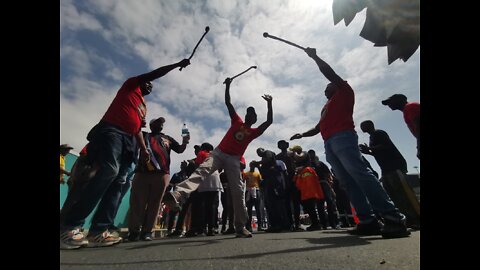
<point>372,228</point>
<point>174,233</point>
<point>229,231</point>
<point>394,229</point>
<point>172,202</point>
<point>243,233</point>
<point>273,230</point>
<point>191,233</point>
<point>314,228</point>
<point>297,229</point>
<point>133,236</point>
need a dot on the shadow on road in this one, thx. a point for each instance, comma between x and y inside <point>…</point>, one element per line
<point>318,244</point>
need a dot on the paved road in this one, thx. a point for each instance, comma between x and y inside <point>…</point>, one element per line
<point>331,249</point>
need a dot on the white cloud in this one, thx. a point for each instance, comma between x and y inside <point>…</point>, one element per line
<point>156,33</point>
<point>72,19</point>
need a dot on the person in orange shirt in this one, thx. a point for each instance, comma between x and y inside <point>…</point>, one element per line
<point>306,180</point>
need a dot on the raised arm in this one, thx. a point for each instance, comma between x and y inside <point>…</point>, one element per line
<point>161,71</point>
<point>325,68</point>
<point>312,132</point>
<point>269,121</point>
<point>180,148</point>
<point>231,110</point>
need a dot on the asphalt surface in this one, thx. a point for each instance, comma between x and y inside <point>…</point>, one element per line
<point>327,249</point>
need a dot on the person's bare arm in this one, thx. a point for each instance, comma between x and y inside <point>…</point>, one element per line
<point>162,71</point>
<point>269,121</point>
<point>231,110</point>
<point>144,154</point>
<point>325,68</point>
<point>181,148</point>
<point>312,132</point>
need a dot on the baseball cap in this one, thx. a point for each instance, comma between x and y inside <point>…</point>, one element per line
<point>393,98</point>
<point>161,119</point>
<point>206,146</point>
<point>295,148</point>
<point>65,146</point>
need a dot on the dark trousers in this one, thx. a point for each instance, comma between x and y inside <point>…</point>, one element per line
<point>309,208</point>
<point>109,168</point>
<point>182,214</point>
<point>227,212</point>
<point>331,204</point>
<point>278,218</point>
<point>397,187</point>
<point>254,202</point>
<point>209,209</point>
<point>197,215</point>
<point>293,205</point>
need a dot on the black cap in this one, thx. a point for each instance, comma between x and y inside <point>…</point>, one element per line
<point>393,98</point>
<point>206,146</point>
<point>65,146</point>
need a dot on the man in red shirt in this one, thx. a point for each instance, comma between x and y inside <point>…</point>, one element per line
<point>111,150</point>
<point>342,152</point>
<point>226,156</point>
<point>411,114</point>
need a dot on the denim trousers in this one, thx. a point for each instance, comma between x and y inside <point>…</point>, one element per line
<point>104,188</point>
<point>364,190</point>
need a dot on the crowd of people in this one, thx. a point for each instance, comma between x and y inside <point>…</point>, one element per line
<point>279,186</point>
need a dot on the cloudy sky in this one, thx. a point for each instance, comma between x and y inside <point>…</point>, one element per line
<point>104,42</point>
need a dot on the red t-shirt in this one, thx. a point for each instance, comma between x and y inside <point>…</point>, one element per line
<point>201,156</point>
<point>84,150</point>
<point>410,112</point>
<point>242,160</point>
<point>337,114</point>
<point>238,137</point>
<point>128,108</point>
<point>307,182</point>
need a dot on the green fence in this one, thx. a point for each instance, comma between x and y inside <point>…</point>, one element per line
<point>120,219</point>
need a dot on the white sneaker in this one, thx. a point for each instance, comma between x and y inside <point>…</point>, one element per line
<point>103,239</point>
<point>72,239</point>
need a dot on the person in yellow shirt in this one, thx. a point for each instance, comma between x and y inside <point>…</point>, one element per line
<point>64,150</point>
<point>252,196</point>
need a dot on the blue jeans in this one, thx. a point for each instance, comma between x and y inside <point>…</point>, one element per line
<point>108,154</point>
<point>363,188</point>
